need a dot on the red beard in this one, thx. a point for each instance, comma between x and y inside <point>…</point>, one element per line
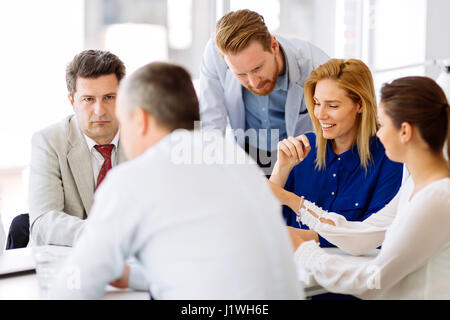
<point>268,85</point>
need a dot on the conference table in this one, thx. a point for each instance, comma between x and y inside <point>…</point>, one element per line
<point>22,282</point>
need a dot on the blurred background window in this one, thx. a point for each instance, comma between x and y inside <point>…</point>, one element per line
<point>39,38</point>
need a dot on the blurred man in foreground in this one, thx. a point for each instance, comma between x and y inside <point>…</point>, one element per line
<point>202,227</point>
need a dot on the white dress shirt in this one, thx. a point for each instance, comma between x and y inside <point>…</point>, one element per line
<point>96,157</point>
<point>199,228</point>
<point>414,261</point>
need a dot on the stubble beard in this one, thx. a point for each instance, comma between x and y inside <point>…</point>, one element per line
<point>269,84</point>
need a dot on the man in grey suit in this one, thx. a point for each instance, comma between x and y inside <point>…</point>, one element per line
<point>70,159</point>
<point>254,81</point>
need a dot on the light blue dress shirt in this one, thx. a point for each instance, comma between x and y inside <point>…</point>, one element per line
<point>267,112</point>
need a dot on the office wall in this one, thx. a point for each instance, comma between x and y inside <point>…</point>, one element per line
<point>438,33</point>
<point>324,20</point>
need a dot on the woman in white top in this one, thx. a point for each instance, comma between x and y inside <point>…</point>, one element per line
<point>413,229</point>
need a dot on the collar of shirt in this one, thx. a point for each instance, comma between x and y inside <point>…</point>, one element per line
<point>96,158</point>
<point>91,143</point>
<point>350,159</point>
<point>180,137</point>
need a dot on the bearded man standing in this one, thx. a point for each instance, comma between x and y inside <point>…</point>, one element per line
<point>254,81</point>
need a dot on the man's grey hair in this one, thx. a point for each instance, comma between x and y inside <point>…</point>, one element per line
<point>166,92</point>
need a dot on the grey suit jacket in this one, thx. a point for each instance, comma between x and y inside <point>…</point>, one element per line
<point>61,186</point>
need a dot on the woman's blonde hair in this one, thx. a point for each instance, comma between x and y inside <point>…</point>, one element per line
<point>355,78</point>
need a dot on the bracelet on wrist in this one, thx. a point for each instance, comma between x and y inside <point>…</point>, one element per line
<point>302,200</point>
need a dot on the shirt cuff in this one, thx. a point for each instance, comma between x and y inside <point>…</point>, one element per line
<point>137,280</point>
<point>308,254</point>
<point>79,231</point>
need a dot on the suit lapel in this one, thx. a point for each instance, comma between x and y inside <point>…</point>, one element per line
<point>80,164</point>
<point>294,97</point>
<point>292,109</point>
<point>234,99</point>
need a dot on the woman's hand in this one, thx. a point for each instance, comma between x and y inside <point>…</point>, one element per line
<point>122,282</point>
<point>292,151</point>
<point>296,239</point>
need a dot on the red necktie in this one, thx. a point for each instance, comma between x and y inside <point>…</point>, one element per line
<point>105,150</point>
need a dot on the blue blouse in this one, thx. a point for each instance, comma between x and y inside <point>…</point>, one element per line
<point>344,186</point>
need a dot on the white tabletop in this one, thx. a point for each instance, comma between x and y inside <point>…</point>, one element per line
<point>24,285</point>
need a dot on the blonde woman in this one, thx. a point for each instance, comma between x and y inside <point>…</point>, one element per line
<point>342,167</point>
<point>414,228</point>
